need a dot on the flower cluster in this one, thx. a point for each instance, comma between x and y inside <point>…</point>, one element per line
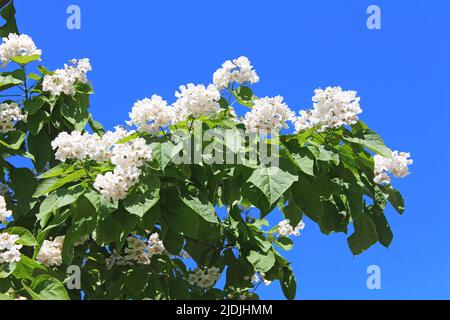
<point>285,229</point>
<point>50,252</point>
<point>196,100</point>
<point>142,250</point>
<point>128,158</point>
<point>333,108</point>
<point>15,45</point>
<point>151,115</point>
<point>83,146</point>
<point>10,113</point>
<point>204,277</point>
<point>9,249</point>
<point>268,114</point>
<point>397,165</point>
<point>4,213</point>
<point>238,70</point>
<point>64,80</point>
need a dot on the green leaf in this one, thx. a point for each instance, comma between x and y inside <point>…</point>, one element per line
<point>272,181</point>
<point>8,82</point>
<point>365,234</point>
<point>139,203</point>
<point>48,185</point>
<point>40,147</point>
<point>56,200</point>
<point>8,13</point>
<point>285,243</point>
<point>75,110</point>
<point>24,185</point>
<point>262,262</point>
<point>384,231</point>
<point>370,140</point>
<point>26,237</point>
<point>202,207</point>
<point>26,59</point>
<point>288,283</point>
<point>26,267</point>
<point>14,140</point>
<point>34,105</point>
<point>45,287</point>
<point>59,170</point>
<point>163,152</point>
<point>396,200</point>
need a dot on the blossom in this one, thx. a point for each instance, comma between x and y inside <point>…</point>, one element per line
<point>83,146</point>
<point>50,252</point>
<point>15,45</point>
<point>64,80</point>
<point>285,229</point>
<point>116,259</point>
<point>9,249</point>
<point>196,100</point>
<point>10,113</point>
<point>150,115</point>
<point>268,114</point>
<point>204,277</point>
<point>332,108</point>
<point>397,165</point>
<point>128,158</point>
<point>238,70</point>
<point>142,250</point>
<point>4,213</point>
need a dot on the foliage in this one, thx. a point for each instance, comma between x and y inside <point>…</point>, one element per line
<point>325,176</point>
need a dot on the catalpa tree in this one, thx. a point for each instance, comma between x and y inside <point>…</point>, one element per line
<point>177,196</point>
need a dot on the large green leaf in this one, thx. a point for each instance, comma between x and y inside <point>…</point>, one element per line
<point>139,203</point>
<point>365,234</point>
<point>7,82</point>
<point>272,181</point>
<point>8,13</point>
<point>262,262</point>
<point>45,287</point>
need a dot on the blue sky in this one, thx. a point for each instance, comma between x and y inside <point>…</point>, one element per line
<point>402,73</point>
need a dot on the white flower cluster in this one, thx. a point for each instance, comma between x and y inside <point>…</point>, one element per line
<point>142,250</point>
<point>17,45</point>
<point>10,113</point>
<point>285,229</point>
<point>116,259</point>
<point>50,252</point>
<point>397,165</point>
<point>238,70</point>
<point>196,100</point>
<point>128,158</point>
<point>256,278</point>
<point>204,277</point>
<point>333,108</point>
<point>9,249</point>
<point>64,80</point>
<point>4,213</point>
<point>151,115</point>
<point>84,146</point>
<point>268,114</point>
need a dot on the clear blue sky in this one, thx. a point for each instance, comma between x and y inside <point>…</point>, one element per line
<point>402,73</point>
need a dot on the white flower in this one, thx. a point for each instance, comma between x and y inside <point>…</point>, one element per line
<point>333,108</point>
<point>17,45</point>
<point>285,229</point>
<point>204,277</point>
<point>83,146</point>
<point>10,113</point>
<point>116,259</point>
<point>9,249</point>
<point>239,70</point>
<point>50,252</point>
<point>141,250</point>
<point>64,80</point>
<point>151,115</point>
<point>268,114</point>
<point>256,279</point>
<point>4,213</point>
<point>196,100</point>
<point>397,165</point>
